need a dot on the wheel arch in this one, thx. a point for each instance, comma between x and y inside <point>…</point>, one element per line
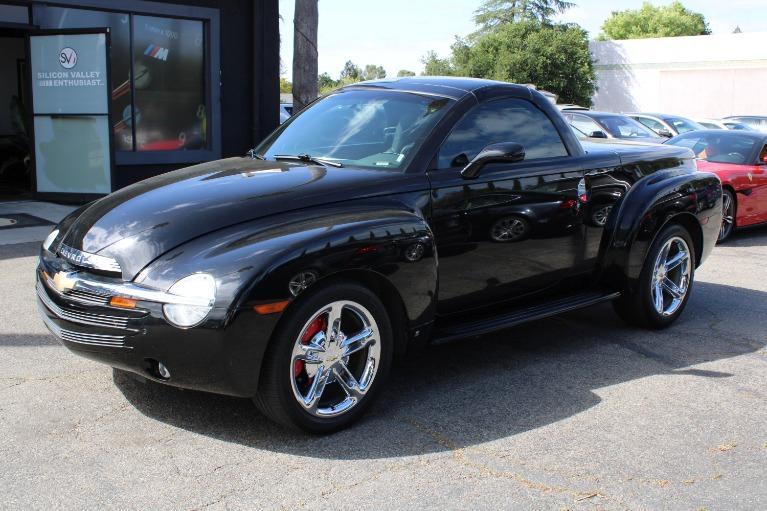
<point>692,200</point>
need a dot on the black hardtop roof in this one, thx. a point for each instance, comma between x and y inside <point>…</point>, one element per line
<point>448,86</point>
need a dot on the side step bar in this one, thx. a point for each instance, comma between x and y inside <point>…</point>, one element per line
<point>452,332</point>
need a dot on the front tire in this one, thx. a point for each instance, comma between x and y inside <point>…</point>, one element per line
<point>328,360</point>
<point>664,284</point>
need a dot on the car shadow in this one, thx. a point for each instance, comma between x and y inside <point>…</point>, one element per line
<point>748,237</point>
<point>479,390</point>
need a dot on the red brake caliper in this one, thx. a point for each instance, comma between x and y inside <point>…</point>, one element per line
<point>318,325</point>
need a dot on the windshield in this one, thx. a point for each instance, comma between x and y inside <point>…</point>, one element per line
<point>682,125</point>
<point>718,147</point>
<point>621,126</point>
<point>359,128</point>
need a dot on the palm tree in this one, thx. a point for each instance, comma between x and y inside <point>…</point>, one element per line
<point>305,68</point>
<point>498,12</point>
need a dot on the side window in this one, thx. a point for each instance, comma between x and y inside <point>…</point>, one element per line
<point>506,120</point>
<point>651,123</point>
<point>585,124</point>
<point>763,155</point>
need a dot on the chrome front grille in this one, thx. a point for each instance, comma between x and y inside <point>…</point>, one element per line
<point>87,298</point>
<point>103,340</point>
<point>82,317</point>
<point>76,295</point>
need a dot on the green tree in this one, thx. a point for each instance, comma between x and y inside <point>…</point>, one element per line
<point>404,72</point>
<point>351,71</point>
<point>373,72</point>
<point>649,21</point>
<point>286,87</point>
<point>326,83</point>
<point>554,57</point>
<point>435,66</point>
<point>494,13</point>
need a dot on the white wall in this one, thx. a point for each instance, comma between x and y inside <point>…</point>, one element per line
<point>11,49</point>
<point>704,76</point>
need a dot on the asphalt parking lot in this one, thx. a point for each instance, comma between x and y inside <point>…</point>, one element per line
<point>576,412</point>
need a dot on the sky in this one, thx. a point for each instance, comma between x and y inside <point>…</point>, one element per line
<point>396,34</point>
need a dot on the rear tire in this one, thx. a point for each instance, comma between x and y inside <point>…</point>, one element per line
<point>315,377</point>
<point>664,284</point>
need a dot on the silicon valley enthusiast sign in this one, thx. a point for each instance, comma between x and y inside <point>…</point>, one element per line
<point>70,102</point>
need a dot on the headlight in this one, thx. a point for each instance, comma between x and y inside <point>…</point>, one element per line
<point>50,239</point>
<point>198,286</point>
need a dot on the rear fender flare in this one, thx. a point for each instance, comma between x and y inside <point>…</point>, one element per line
<point>674,195</point>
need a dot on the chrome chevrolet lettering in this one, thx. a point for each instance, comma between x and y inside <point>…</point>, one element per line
<point>94,261</point>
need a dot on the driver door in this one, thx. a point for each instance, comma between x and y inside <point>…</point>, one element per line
<point>515,230</point>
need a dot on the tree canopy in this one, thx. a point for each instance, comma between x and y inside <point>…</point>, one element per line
<point>433,65</point>
<point>351,71</point>
<point>494,13</point>
<point>404,72</point>
<point>554,57</point>
<point>649,21</point>
<point>373,72</point>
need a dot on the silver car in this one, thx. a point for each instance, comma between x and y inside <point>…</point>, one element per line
<point>666,125</point>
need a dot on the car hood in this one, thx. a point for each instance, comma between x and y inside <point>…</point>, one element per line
<point>137,224</point>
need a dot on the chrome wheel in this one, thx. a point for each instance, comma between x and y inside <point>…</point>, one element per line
<point>335,359</point>
<point>599,217</point>
<point>671,276</point>
<point>508,229</point>
<point>728,216</point>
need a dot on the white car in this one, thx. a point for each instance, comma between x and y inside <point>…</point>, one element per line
<point>723,124</point>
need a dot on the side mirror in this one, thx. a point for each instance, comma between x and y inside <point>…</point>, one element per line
<point>663,132</point>
<point>598,134</point>
<point>505,152</point>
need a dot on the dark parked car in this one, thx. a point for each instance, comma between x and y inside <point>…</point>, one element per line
<point>385,216</point>
<point>607,125</point>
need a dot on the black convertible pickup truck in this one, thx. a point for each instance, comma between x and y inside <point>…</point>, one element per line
<point>385,216</point>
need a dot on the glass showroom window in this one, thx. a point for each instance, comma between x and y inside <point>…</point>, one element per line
<point>168,83</point>
<point>162,107</point>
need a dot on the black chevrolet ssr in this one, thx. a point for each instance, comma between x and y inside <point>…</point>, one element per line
<point>385,216</point>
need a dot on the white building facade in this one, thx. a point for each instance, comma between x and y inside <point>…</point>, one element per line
<point>703,76</point>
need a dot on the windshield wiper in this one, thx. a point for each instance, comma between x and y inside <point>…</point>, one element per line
<point>306,158</point>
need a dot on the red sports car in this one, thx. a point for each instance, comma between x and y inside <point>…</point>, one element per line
<point>739,158</point>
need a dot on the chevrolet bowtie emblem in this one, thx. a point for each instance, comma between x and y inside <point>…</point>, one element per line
<point>64,281</point>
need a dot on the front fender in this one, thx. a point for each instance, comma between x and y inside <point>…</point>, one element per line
<point>682,195</point>
<point>255,262</point>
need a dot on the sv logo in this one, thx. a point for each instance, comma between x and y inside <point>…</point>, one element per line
<point>67,58</point>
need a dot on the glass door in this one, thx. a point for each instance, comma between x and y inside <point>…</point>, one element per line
<point>70,110</point>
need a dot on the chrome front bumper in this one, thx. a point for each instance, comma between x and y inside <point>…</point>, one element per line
<point>79,286</point>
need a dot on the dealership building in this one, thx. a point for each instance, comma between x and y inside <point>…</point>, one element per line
<point>98,94</point>
<point>708,76</point>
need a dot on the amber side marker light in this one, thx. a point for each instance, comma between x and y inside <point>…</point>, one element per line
<point>271,308</point>
<point>123,303</point>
